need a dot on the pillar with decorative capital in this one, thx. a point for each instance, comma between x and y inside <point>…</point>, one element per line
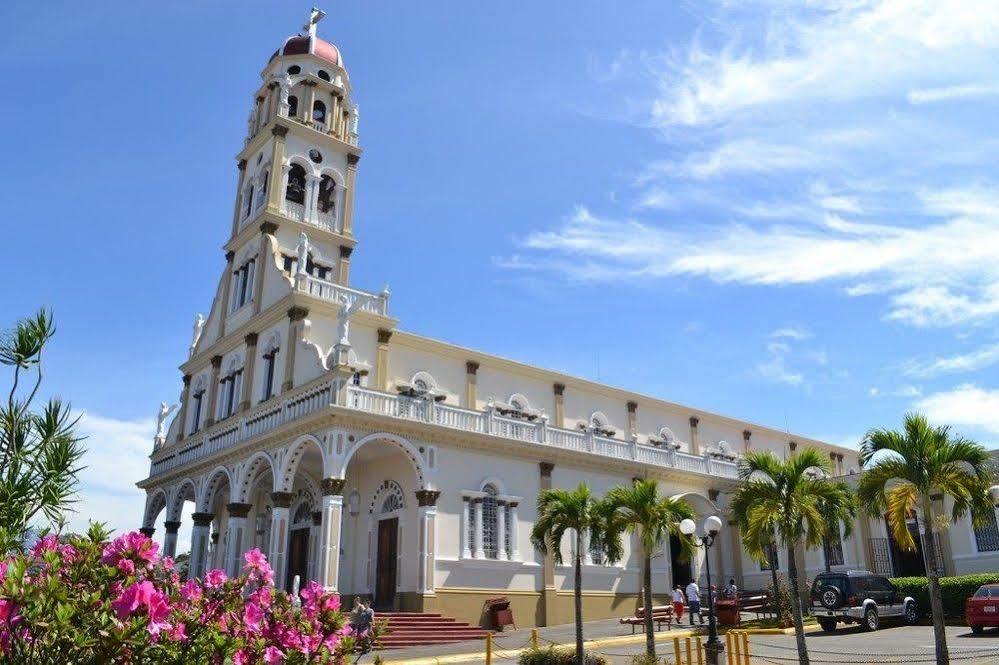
<point>147,531</point>
<point>329,550</point>
<point>343,268</point>
<point>466,513</point>
<point>348,198</point>
<point>171,527</point>
<point>236,537</point>
<point>278,557</point>
<point>471,385</point>
<point>382,359</point>
<point>241,165</point>
<point>695,444</point>
<point>279,171</point>
<point>199,544</point>
<point>559,389</point>
<point>264,254</point>
<point>295,317</point>
<point>479,551</point>
<point>514,541</point>
<point>185,395</point>
<point>314,536</point>
<point>251,360</point>
<point>213,390</point>
<point>548,570</point>
<point>427,501</point>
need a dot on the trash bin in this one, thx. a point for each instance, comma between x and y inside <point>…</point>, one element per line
<point>727,611</point>
<point>499,612</point>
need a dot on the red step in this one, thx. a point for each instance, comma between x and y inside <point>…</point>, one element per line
<point>406,629</point>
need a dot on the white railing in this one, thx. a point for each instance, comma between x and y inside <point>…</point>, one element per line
<point>333,292</point>
<point>295,211</point>
<point>301,402</point>
<point>319,126</point>
<point>326,220</point>
<point>539,432</point>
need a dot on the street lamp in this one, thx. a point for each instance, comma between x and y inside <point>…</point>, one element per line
<point>712,526</point>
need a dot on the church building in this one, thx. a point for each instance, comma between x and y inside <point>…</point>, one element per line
<point>313,425</point>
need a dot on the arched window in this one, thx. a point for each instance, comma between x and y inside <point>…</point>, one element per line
<point>391,504</point>
<point>292,106</point>
<point>318,111</point>
<point>296,184</point>
<point>294,69</point>
<point>249,201</point>
<point>323,74</point>
<point>327,194</point>
<point>490,522</point>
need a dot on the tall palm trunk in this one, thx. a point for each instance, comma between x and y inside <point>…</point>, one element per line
<point>578,598</point>
<point>933,579</point>
<point>650,637</point>
<point>799,628</point>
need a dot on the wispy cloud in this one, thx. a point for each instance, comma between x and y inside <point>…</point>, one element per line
<point>965,362</point>
<point>966,405</point>
<point>952,93</point>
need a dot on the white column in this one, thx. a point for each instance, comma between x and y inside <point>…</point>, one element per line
<point>170,538</point>
<point>585,544</point>
<point>466,547</point>
<point>236,537</point>
<point>199,544</point>
<point>311,197</point>
<point>329,551</point>
<point>501,531</point>
<point>278,550</point>
<point>314,535</point>
<point>514,540</point>
<point>480,553</point>
<point>427,500</point>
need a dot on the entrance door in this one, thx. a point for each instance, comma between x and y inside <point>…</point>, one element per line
<point>908,563</point>
<point>680,569</point>
<point>298,557</point>
<point>385,571</point>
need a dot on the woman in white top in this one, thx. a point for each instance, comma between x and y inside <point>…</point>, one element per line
<point>678,603</point>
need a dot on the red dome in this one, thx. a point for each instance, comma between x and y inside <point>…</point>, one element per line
<point>306,44</point>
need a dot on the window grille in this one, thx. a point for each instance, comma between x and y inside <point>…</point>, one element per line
<point>987,535</point>
<point>770,549</point>
<point>490,523</point>
<point>833,550</point>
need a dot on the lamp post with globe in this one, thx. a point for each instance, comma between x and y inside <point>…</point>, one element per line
<point>712,525</point>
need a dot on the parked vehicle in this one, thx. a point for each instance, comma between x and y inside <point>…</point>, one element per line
<point>982,610</point>
<point>858,596</point>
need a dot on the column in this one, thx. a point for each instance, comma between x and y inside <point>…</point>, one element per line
<point>585,544</point>
<point>480,552</point>
<point>548,570</point>
<point>334,110</point>
<point>170,538</point>
<point>471,385</point>
<point>226,290</point>
<point>147,531</point>
<point>514,540</point>
<point>466,515</point>
<point>343,268</point>
<point>248,369</point>
<point>695,445</point>
<point>863,533</point>
<point>199,544</point>
<point>237,537</point>
<point>310,214</point>
<point>314,534</point>
<point>329,549</point>
<point>632,420</point>
<point>559,404</point>
<point>348,199</point>
<point>279,170</point>
<point>382,359</point>
<point>185,394</point>
<point>736,550</point>
<point>239,196</point>
<point>213,391</point>
<point>278,556</point>
<point>295,316</point>
<point>746,443</point>
<point>264,257</point>
<point>427,520</point>
<point>213,552</point>
<point>501,531</point>
<point>310,100</point>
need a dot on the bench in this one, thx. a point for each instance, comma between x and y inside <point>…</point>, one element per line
<point>661,614</point>
<point>756,602</point>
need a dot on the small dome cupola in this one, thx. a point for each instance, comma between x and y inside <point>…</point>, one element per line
<point>308,43</point>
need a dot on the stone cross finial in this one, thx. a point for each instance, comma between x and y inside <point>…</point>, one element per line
<point>315,16</point>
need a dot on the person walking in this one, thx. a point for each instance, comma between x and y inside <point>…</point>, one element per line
<point>678,604</point>
<point>694,602</point>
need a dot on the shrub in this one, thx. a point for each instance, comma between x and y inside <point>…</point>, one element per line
<point>557,656</point>
<point>953,590</point>
<point>86,600</point>
<point>781,598</point>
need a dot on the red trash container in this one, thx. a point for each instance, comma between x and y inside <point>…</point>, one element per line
<point>727,611</point>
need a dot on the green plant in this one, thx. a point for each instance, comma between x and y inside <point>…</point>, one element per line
<point>646,659</point>
<point>903,470</point>
<point>557,656</point>
<point>794,502</point>
<point>640,509</point>
<point>780,596</point>
<point>39,451</point>
<point>953,591</point>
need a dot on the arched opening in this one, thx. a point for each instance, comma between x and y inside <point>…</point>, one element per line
<point>299,477</point>
<point>694,569</point>
<point>323,74</point>
<point>319,112</point>
<point>327,195</point>
<point>216,493</point>
<point>295,191</point>
<point>292,106</point>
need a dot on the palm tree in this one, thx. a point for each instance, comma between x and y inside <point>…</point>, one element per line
<point>642,510</point>
<point>909,467</point>
<point>789,501</point>
<point>559,511</point>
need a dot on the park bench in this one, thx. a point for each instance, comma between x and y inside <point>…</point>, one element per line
<point>757,602</point>
<point>661,614</point>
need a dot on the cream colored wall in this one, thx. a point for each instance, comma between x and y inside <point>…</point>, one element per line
<point>405,361</point>
<point>501,385</point>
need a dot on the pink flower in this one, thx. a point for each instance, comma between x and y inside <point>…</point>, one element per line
<point>253,616</point>
<point>126,566</point>
<point>131,598</point>
<point>191,591</point>
<point>241,657</point>
<point>134,545</point>
<point>46,544</point>
<point>257,567</point>
<point>273,656</point>
<point>215,578</point>
<point>167,563</point>
<point>178,633</point>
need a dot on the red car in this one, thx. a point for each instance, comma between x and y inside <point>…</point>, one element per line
<point>982,609</point>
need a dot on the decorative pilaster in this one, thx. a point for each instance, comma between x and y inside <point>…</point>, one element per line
<point>514,540</point>
<point>248,370</point>
<point>185,395</point>
<point>427,542</point>
<point>199,544</point>
<point>550,594</point>
<point>213,391</point>
<point>310,100</point>
<point>501,531</point>
<point>275,188</point>
<point>315,533</point>
<point>237,537</point>
<point>479,551</point>
<point>226,290</point>
<point>278,557</point>
<point>295,317</point>
<point>239,196</point>
<point>329,555</point>
<point>348,198</point>
<point>632,420</point>
<point>747,442</point>
<point>170,538</point>
<point>471,385</point>
<point>559,404</point>
<point>382,359</point>
<point>343,268</point>
<point>466,515</point>
<point>695,444</point>
<point>264,256</point>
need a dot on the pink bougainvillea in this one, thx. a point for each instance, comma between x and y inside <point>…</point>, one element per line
<point>91,599</point>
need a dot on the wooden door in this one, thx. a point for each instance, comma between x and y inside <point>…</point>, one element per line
<point>388,542</point>
<point>298,558</point>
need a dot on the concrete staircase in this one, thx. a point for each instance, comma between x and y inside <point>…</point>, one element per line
<point>413,629</point>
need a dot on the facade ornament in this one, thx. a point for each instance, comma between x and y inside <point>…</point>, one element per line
<point>199,325</point>
<point>164,413</point>
<point>355,118</point>
<point>302,254</point>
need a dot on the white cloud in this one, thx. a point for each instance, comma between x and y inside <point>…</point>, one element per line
<point>907,391</point>
<point>792,332</point>
<point>964,362</point>
<point>966,405</point>
<point>741,156</point>
<point>952,92</point>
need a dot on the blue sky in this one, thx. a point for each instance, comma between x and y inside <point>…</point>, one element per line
<point>787,215</point>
